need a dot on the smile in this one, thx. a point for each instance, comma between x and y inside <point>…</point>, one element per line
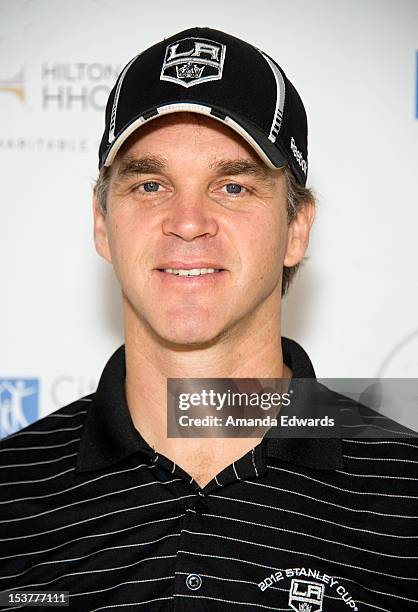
<point>192,272</point>
<point>192,278</point>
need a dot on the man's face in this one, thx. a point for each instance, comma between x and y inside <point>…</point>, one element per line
<point>187,192</point>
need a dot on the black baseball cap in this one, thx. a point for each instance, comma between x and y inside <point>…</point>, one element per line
<point>212,73</point>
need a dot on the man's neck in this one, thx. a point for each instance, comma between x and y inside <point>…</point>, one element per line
<point>256,353</point>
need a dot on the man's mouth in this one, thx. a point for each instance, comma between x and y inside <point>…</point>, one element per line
<point>190,272</point>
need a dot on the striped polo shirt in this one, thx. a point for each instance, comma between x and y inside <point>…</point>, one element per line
<point>88,507</point>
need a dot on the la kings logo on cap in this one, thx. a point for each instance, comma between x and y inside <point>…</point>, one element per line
<point>191,61</point>
<point>306,595</point>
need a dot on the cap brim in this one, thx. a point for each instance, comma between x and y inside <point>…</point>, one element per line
<point>268,152</point>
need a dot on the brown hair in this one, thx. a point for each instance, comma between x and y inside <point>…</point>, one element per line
<point>297,196</point>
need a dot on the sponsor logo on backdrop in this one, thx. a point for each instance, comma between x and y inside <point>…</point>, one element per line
<point>402,359</point>
<point>76,86</point>
<point>394,394</point>
<point>15,85</point>
<point>67,87</point>
<point>59,144</point>
<point>19,404</point>
<point>66,388</point>
<point>19,399</point>
<point>63,86</point>
<point>416,85</point>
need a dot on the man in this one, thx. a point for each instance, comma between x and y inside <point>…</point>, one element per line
<point>202,209</point>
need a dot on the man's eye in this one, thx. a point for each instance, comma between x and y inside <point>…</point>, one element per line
<point>234,188</point>
<point>151,186</point>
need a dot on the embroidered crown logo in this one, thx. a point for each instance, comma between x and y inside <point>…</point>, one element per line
<point>304,607</point>
<point>189,71</point>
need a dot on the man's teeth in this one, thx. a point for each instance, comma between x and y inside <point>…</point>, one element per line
<point>192,272</point>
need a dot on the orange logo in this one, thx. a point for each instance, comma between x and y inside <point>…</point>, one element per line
<point>15,85</point>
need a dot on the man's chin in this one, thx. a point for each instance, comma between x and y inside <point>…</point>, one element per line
<point>189,337</point>
<point>194,329</point>
<point>190,340</point>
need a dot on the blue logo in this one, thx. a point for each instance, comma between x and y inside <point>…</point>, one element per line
<point>19,404</point>
<point>416,86</point>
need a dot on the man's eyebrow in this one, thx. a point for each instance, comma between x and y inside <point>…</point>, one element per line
<point>148,164</point>
<point>142,165</point>
<point>223,167</point>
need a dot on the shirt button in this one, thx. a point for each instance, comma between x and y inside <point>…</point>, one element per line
<point>193,582</point>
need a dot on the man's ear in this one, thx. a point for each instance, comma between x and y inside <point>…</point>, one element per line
<point>101,239</point>
<point>298,234</point>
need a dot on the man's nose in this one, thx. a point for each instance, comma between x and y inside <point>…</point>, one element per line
<point>191,214</point>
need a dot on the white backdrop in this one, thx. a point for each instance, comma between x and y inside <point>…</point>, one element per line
<point>353,305</point>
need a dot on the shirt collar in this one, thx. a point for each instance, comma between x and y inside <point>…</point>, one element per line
<point>316,453</point>
<point>109,435</point>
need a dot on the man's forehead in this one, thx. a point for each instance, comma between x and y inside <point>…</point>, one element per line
<point>145,151</point>
<point>202,129</point>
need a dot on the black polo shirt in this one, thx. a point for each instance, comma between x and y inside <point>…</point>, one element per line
<point>87,506</point>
